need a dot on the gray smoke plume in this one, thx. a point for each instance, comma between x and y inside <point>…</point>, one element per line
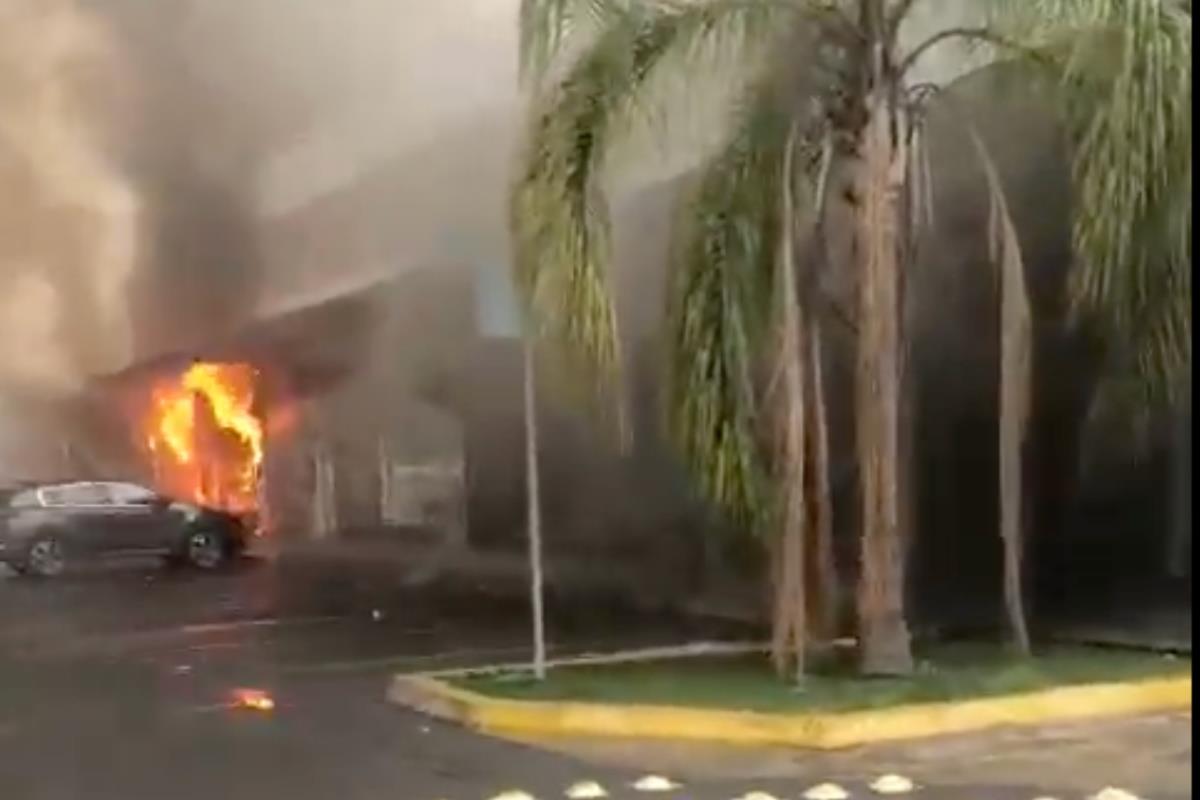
<point>68,219</point>
<point>247,118</point>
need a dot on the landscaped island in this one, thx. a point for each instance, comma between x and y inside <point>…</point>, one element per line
<point>946,673</point>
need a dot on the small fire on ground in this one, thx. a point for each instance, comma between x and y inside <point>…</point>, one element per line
<point>204,435</point>
<point>252,699</point>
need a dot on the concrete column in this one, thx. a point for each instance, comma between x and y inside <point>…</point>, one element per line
<point>324,494</point>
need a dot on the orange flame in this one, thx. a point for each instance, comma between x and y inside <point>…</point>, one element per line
<point>204,438</point>
<point>253,699</point>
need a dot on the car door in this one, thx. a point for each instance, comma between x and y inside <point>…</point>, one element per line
<point>133,518</point>
<point>82,512</point>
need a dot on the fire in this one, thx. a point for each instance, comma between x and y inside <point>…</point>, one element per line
<point>253,699</point>
<point>205,438</point>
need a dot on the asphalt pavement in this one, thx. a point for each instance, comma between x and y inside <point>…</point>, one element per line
<point>125,683</point>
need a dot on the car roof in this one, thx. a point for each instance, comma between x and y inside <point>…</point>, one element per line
<point>22,485</point>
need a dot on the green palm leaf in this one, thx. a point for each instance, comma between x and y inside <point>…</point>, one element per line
<point>547,26</point>
<point>719,317</point>
<point>560,216</point>
<point>721,321</point>
<point>1125,76</point>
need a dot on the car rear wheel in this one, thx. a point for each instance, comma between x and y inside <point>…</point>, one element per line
<point>205,549</point>
<point>45,558</point>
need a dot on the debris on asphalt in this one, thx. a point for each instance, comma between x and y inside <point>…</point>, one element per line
<point>252,699</point>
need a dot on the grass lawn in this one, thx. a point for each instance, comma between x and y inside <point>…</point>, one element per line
<point>948,672</point>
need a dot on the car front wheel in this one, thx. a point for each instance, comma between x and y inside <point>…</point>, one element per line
<point>45,558</point>
<point>205,549</point>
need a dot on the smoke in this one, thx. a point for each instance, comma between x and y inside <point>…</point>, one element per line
<point>68,219</point>
<point>285,157</point>
<point>239,134</point>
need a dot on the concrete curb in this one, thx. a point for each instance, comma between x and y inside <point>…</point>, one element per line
<point>538,719</point>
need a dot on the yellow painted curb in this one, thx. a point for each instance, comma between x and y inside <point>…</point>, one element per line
<point>816,731</point>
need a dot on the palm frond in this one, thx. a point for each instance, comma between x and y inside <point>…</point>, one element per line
<point>722,321</point>
<point>719,315</point>
<point>1126,87</point>
<point>560,217</point>
<point>547,26</point>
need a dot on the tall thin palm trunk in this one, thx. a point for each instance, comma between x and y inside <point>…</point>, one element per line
<point>878,194</point>
<point>795,511</point>
<point>533,499</point>
<point>824,597</point>
<point>823,573</point>
<point>791,625</point>
<point>1016,383</point>
<point>1014,399</point>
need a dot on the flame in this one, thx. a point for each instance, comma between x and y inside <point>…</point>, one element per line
<point>253,699</point>
<point>205,439</point>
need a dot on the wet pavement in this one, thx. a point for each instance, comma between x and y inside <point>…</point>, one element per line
<point>121,684</point>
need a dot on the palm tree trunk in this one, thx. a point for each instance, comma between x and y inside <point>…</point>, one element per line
<point>534,514</point>
<point>791,627</point>
<point>825,597</point>
<point>1015,387</point>
<point>781,620</point>
<point>823,577</point>
<point>1016,379</point>
<point>885,645</point>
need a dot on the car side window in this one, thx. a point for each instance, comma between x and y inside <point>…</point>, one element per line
<point>26,499</point>
<point>86,494</point>
<point>52,496</point>
<point>128,494</point>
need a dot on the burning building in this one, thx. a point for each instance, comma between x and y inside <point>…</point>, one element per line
<point>204,435</point>
<point>312,351</point>
<point>319,419</point>
<point>196,429</point>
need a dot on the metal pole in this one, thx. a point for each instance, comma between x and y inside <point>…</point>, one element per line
<point>534,514</point>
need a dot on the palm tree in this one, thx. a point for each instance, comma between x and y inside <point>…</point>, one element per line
<point>828,118</point>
